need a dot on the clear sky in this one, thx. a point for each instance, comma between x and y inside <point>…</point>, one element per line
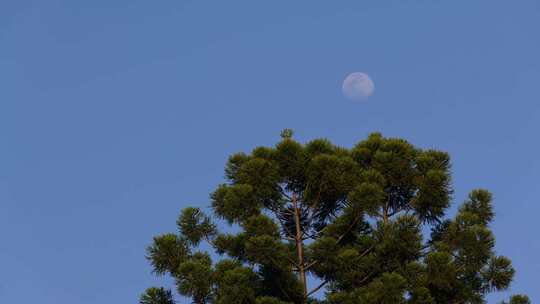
<point>114,115</point>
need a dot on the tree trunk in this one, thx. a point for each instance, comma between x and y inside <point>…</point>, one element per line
<point>300,247</point>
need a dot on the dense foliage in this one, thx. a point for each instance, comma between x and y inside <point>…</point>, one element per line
<point>353,223</point>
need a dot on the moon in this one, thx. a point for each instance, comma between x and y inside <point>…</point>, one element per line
<point>358,86</point>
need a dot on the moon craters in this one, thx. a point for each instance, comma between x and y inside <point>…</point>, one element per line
<point>358,86</point>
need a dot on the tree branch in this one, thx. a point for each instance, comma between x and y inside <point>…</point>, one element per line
<point>340,238</point>
<point>308,266</point>
<point>317,288</point>
<point>209,241</point>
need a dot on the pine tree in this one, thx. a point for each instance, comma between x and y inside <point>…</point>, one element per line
<point>154,295</point>
<point>351,222</point>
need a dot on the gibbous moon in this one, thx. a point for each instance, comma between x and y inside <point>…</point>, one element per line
<point>358,86</point>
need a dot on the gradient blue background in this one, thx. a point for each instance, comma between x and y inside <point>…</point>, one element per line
<point>114,115</point>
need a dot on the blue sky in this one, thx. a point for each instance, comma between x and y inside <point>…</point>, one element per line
<point>114,115</point>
